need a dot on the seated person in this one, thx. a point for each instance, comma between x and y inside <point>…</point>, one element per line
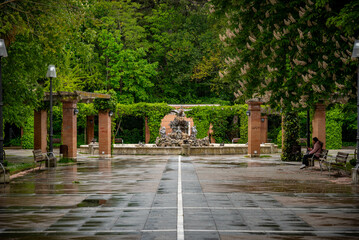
<point>317,149</point>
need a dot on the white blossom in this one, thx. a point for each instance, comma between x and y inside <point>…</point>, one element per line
<point>252,38</point>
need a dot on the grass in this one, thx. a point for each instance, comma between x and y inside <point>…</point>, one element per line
<point>18,167</point>
<point>66,160</point>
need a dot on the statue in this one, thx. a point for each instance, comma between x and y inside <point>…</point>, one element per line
<point>163,132</point>
<point>194,133</point>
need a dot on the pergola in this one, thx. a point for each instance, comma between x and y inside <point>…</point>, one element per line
<point>69,124</point>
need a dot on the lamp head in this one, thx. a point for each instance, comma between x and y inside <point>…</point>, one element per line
<point>3,52</point>
<point>355,53</point>
<point>51,71</point>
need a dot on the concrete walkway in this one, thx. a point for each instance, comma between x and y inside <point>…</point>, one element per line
<point>176,197</point>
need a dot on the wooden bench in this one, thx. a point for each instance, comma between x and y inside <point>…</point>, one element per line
<point>39,156</point>
<point>339,162</point>
<point>42,157</point>
<point>235,140</point>
<point>118,140</point>
<point>322,157</point>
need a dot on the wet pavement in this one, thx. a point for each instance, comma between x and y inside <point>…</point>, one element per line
<point>150,197</point>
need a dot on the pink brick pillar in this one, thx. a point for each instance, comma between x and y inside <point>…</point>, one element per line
<point>40,130</point>
<point>69,127</point>
<point>90,129</point>
<point>319,123</point>
<point>210,134</point>
<point>104,133</point>
<point>264,129</point>
<point>254,129</point>
<point>147,131</point>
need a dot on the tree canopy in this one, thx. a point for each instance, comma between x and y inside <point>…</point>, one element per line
<point>292,54</point>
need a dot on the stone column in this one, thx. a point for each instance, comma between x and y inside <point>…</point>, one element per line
<point>264,129</point>
<point>90,129</point>
<point>147,131</point>
<point>254,128</point>
<point>69,127</point>
<point>104,134</point>
<point>319,123</point>
<point>40,130</point>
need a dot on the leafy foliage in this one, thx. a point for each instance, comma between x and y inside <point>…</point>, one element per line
<point>228,122</point>
<point>154,112</point>
<point>334,122</point>
<point>286,53</point>
<point>291,129</point>
<point>27,139</point>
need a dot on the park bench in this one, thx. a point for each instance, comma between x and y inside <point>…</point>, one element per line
<point>235,140</point>
<point>322,157</point>
<point>42,157</point>
<point>118,140</point>
<point>340,161</point>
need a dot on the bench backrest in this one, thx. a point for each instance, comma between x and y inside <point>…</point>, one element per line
<point>38,156</point>
<point>341,157</point>
<point>324,154</point>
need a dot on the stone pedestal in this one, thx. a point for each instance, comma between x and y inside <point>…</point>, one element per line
<point>104,132</point>
<point>185,149</point>
<point>254,128</point>
<point>319,123</point>
<point>40,130</point>
<point>4,177</point>
<point>69,127</point>
<point>355,176</point>
<point>51,163</point>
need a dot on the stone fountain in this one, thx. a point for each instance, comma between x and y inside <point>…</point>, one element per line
<point>179,134</point>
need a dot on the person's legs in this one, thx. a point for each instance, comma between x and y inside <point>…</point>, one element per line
<point>305,161</point>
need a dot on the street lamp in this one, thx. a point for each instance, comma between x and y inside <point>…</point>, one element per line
<point>51,73</point>
<point>3,53</point>
<point>355,54</point>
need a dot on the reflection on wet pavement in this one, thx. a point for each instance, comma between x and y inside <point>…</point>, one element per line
<point>135,197</point>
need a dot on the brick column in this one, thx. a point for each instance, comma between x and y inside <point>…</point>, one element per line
<point>69,127</point>
<point>147,131</point>
<point>104,133</point>
<point>264,129</point>
<point>254,129</point>
<point>40,130</point>
<point>90,129</point>
<point>319,123</point>
<point>210,134</point>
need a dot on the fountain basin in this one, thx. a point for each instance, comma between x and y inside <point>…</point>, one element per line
<point>152,149</point>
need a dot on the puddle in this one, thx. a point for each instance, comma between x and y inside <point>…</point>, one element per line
<point>92,203</point>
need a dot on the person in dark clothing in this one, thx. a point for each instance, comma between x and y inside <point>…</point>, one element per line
<point>316,150</point>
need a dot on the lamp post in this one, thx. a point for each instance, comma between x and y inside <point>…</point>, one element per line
<point>3,53</point>
<point>51,73</point>
<point>355,54</point>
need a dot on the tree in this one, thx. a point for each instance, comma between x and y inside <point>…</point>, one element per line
<point>286,53</point>
<point>128,72</point>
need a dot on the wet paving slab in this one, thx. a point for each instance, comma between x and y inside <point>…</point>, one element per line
<point>136,197</point>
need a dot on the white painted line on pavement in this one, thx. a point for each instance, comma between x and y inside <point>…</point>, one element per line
<point>180,230</point>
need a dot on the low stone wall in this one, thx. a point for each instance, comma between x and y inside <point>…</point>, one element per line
<point>151,149</point>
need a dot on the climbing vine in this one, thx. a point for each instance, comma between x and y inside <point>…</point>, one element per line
<point>333,128</point>
<point>291,129</point>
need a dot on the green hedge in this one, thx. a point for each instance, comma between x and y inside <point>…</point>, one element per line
<point>291,133</point>
<point>153,111</point>
<point>333,129</point>
<point>222,119</point>
<point>27,139</point>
